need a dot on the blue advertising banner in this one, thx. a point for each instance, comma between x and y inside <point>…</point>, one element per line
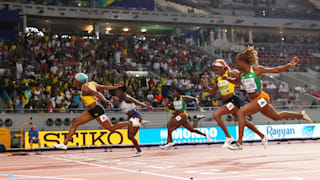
<point>288,131</point>
<point>274,132</point>
<point>182,135</point>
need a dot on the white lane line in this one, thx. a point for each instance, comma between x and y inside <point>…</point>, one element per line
<point>118,168</point>
<point>55,169</point>
<point>32,166</point>
<point>42,177</point>
<point>289,178</point>
<point>234,157</point>
<point>269,174</point>
<point>93,174</point>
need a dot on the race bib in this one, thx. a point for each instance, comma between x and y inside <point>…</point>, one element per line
<point>262,102</point>
<point>223,87</point>
<point>249,85</point>
<point>103,118</point>
<point>178,118</point>
<point>135,119</point>
<point>230,106</point>
<point>177,104</point>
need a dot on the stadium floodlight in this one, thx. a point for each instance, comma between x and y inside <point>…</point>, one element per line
<point>143,30</point>
<point>90,29</point>
<point>125,29</point>
<point>137,73</point>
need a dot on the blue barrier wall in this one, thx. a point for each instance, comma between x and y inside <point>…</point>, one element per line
<point>274,132</point>
<point>182,135</point>
<point>288,131</point>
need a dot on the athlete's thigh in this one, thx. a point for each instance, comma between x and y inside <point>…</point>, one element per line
<point>251,108</point>
<point>83,118</point>
<point>187,125</point>
<point>269,111</point>
<point>176,121</point>
<point>223,110</point>
<point>132,131</point>
<point>104,121</point>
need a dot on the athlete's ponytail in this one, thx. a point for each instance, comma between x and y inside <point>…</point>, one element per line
<point>249,56</point>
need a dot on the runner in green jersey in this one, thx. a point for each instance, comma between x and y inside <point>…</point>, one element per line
<point>250,79</point>
<point>178,107</point>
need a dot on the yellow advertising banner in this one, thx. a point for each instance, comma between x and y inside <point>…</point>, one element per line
<point>82,138</point>
<point>5,137</point>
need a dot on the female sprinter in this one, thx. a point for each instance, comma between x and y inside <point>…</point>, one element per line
<point>231,102</point>
<point>89,94</point>
<point>128,106</point>
<point>180,117</point>
<point>250,78</point>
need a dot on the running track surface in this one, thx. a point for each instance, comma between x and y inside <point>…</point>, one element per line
<point>298,161</point>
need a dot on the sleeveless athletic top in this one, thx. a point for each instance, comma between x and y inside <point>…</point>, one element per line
<point>179,104</point>
<point>225,87</point>
<point>88,98</point>
<point>251,82</point>
<point>126,107</point>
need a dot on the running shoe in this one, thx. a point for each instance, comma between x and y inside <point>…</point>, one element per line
<point>227,142</point>
<point>60,146</point>
<point>235,146</point>
<point>200,116</point>
<point>167,146</point>
<point>306,116</point>
<point>145,122</point>
<point>265,142</point>
<point>137,154</point>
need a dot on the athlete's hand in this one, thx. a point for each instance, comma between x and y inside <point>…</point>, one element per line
<point>165,101</point>
<point>294,61</point>
<point>150,108</point>
<point>109,103</point>
<point>203,83</point>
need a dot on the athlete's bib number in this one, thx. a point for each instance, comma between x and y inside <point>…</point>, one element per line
<point>135,120</point>
<point>230,106</point>
<point>249,85</point>
<point>223,87</point>
<point>178,118</point>
<point>103,118</point>
<point>262,102</point>
<point>177,105</point>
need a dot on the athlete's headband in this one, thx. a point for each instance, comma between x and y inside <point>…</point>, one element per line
<point>221,63</point>
<point>81,77</point>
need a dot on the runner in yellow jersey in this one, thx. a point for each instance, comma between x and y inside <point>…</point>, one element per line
<point>89,94</point>
<point>232,102</point>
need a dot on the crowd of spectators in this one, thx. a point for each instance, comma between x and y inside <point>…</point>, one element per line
<point>42,68</point>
